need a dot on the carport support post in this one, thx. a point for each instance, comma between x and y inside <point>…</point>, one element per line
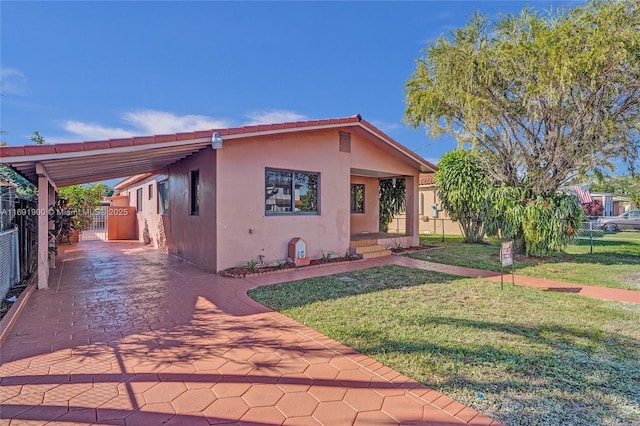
<point>43,232</point>
<point>46,191</point>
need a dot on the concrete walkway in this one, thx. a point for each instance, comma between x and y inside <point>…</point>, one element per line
<point>130,336</point>
<point>605,293</point>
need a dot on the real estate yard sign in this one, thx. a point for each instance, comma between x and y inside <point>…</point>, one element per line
<point>506,259</point>
<point>506,253</point>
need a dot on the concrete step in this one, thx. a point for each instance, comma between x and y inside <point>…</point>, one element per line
<point>362,243</point>
<point>370,248</point>
<point>379,253</point>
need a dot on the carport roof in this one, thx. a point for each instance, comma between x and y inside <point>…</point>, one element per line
<point>81,162</point>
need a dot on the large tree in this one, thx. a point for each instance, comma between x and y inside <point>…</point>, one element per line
<point>543,96</point>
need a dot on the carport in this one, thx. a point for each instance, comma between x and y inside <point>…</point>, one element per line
<point>53,166</point>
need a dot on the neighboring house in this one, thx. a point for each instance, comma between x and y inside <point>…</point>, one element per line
<point>432,218</point>
<point>612,204</point>
<point>262,186</point>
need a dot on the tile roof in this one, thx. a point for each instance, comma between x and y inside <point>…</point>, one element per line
<point>426,179</point>
<point>156,151</point>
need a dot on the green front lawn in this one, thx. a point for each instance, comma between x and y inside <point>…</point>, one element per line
<point>534,357</point>
<point>615,262</point>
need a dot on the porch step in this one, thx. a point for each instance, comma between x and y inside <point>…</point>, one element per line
<point>362,243</point>
<point>369,249</point>
<point>378,253</point>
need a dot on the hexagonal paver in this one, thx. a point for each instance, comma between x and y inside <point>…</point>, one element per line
<point>327,393</point>
<point>177,371</point>
<point>262,395</point>
<point>374,418</point>
<point>209,363</point>
<point>96,396</point>
<point>13,391</point>
<point>226,410</point>
<point>63,392</point>
<point>298,365</point>
<point>297,404</point>
<point>354,378</point>
<point>322,372</point>
<point>363,399</point>
<point>239,354</point>
<point>164,392</point>
<point>78,416</point>
<point>265,359</point>
<point>302,421</point>
<point>295,382</point>
<point>232,388</point>
<point>43,412</point>
<point>191,419</point>
<point>402,409</point>
<point>317,357</point>
<point>193,400</point>
<point>202,380</point>
<point>141,418</point>
<point>159,407</point>
<point>334,413</point>
<point>236,368</point>
<point>149,367</point>
<point>343,363</point>
<point>262,416</point>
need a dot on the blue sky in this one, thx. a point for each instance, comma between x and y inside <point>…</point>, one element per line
<point>96,70</point>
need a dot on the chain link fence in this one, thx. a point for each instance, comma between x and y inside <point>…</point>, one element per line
<point>592,238</point>
<point>9,262</point>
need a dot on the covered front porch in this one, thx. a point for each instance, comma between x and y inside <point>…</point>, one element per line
<point>368,236</point>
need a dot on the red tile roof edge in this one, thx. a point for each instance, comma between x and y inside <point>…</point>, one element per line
<point>68,147</point>
<point>426,179</point>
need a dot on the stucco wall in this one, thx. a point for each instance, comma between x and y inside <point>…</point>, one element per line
<point>192,237</point>
<point>148,221</point>
<point>367,155</point>
<point>245,232</point>
<point>369,220</point>
<point>433,225</point>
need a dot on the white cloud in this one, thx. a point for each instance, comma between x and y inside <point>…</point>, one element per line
<point>142,122</point>
<point>153,122</point>
<point>13,81</point>
<point>273,116</point>
<point>386,126</point>
<point>159,122</point>
<point>95,131</point>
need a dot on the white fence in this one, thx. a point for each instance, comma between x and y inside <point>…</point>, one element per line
<point>98,228</point>
<point>9,261</point>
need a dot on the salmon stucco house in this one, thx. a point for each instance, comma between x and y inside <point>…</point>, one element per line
<point>236,194</point>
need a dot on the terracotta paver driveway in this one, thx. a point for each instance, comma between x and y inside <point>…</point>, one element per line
<point>129,335</point>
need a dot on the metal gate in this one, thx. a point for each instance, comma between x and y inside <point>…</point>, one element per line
<point>98,228</point>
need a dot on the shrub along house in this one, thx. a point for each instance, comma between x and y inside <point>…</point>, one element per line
<point>237,194</point>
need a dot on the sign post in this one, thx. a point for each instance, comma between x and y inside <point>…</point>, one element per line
<point>506,258</point>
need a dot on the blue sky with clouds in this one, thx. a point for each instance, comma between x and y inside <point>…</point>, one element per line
<point>96,70</point>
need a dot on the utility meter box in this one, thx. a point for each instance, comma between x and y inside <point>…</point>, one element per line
<point>298,252</point>
<point>434,210</point>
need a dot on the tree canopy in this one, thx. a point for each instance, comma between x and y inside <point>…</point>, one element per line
<point>462,189</point>
<point>544,97</point>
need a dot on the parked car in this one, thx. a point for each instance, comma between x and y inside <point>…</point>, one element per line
<point>626,221</point>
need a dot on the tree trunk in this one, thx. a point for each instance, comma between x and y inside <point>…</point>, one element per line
<point>519,245</point>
